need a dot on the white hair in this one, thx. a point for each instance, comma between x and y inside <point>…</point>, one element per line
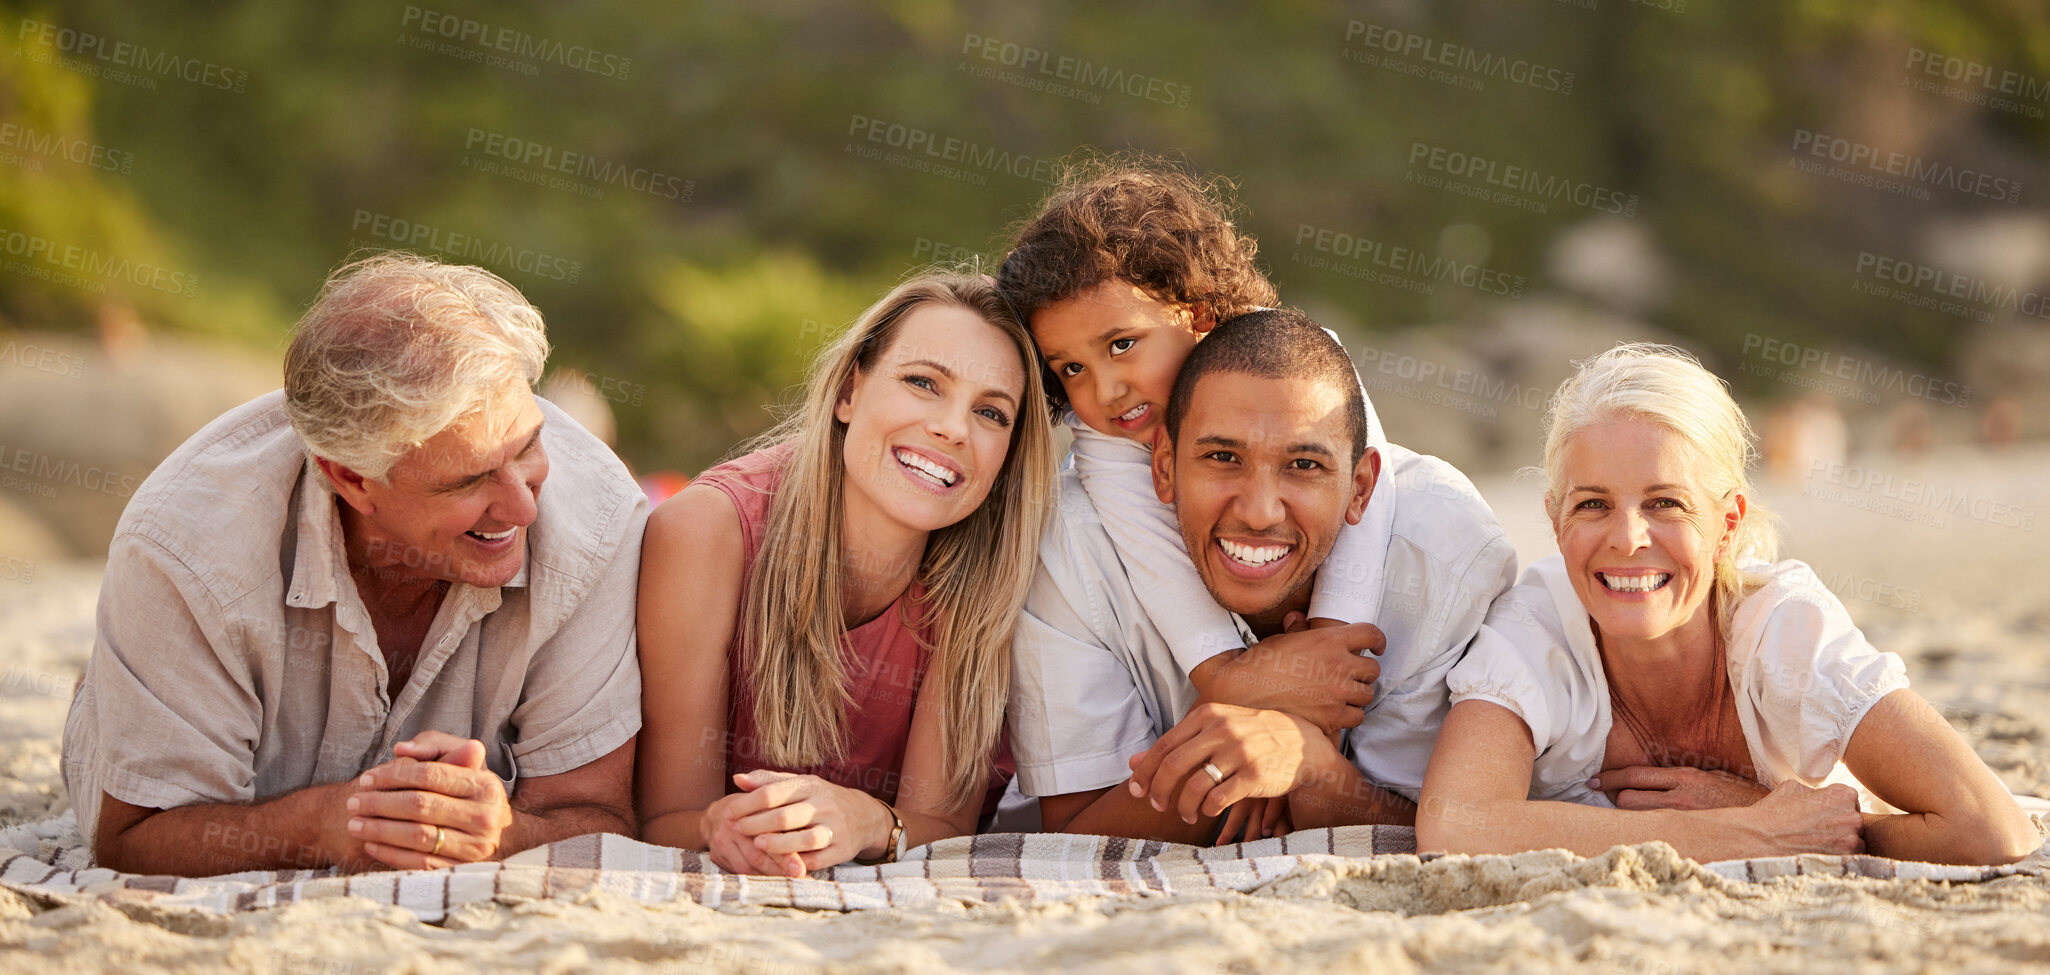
<point>396,349</point>
<point>1669,387</point>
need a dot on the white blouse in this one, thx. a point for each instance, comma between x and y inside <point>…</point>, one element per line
<point>1803,674</point>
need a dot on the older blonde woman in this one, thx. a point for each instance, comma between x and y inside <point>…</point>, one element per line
<point>1660,679</point>
<point>825,624</point>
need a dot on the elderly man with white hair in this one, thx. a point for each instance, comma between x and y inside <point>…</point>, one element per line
<point>343,626</point>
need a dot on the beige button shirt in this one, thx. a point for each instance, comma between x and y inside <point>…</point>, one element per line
<point>234,660</point>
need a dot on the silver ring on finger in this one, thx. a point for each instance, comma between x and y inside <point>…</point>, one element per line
<point>1216,776</point>
<point>829,833</point>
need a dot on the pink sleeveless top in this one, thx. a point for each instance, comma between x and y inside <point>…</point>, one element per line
<point>886,660</point>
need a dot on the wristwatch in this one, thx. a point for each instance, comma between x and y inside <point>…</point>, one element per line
<point>894,847</point>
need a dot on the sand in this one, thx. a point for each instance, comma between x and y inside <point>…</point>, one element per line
<point>1965,601</point>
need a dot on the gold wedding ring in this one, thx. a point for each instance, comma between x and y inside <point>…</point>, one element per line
<point>1216,777</point>
<point>439,835</point>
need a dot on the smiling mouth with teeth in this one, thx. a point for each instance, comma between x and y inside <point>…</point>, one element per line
<point>1133,414</point>
<point>492,536</point>
<point>1645,583</point>
<point>933,472</point>
<point>1254,555</point>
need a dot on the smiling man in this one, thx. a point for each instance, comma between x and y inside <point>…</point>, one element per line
<point>1266,459</point>
<point>341,625</point>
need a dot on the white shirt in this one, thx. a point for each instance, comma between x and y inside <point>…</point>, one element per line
<point>1096,680</point>
<point>1804,677</point>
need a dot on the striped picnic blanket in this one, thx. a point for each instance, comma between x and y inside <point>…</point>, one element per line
<point>48,860</point>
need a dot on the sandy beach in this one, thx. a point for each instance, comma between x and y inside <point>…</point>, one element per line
<point>1953,586</point>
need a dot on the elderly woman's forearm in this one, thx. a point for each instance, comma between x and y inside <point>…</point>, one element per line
<point>1986,838</point>
<point>1484,826</point>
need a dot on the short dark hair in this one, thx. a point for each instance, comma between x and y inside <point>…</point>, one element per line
<point>1272,343</point>
<point>1139,219</point>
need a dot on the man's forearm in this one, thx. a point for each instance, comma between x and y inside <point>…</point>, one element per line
<point>537,827</point>
<point>296,831</point>
<point>1338,795</point>
<point>1116,813</point>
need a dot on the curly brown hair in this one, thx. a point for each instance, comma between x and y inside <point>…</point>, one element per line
<point>1139,219</point>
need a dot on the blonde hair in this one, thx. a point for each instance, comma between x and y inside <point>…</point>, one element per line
<point>975,571</point>
<point>396,348</point>
<point>1669,387</point>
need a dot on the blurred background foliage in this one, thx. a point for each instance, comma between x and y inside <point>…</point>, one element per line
<point>707,307</point>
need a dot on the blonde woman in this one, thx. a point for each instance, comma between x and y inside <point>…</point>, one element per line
<point>825,623</point>
<point>1661,679</point>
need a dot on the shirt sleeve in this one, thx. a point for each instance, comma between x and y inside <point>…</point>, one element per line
<point>582,694</point>
<point>1812,678</point>
<point>1393,745</point>
<point>1076,712</point>
<point>168,714</point>
<point>1514,662</point>
<point>1117,475</point>
<point>1350,580</point>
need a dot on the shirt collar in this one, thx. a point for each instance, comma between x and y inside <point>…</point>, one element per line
<point>318,560</point>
